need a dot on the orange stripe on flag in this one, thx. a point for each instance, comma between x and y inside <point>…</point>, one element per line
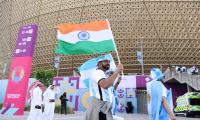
<point>92,26</point>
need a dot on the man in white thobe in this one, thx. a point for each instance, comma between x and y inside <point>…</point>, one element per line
<point>49,102</point>
<point>36,103</point>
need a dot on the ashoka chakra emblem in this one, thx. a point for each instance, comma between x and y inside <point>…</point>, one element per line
<point>83,35</point>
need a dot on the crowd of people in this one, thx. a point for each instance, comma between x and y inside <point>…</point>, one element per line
<point>103,85</point>
<point>182,69</point>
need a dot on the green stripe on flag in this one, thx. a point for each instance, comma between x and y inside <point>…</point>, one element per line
<point>85,47</point>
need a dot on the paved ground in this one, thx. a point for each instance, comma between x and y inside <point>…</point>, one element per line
<point>80,115</point>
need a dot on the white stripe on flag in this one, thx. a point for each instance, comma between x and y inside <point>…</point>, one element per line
<point>96,36</point>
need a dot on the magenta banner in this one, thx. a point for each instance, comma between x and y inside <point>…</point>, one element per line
<point>20,68</point>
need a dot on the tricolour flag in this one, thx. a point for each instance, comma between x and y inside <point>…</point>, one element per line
<point>89,66</point>
<point>87,38</point>
<point>139,57</point>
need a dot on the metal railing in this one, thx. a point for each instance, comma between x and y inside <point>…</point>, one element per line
<point>191,80</point>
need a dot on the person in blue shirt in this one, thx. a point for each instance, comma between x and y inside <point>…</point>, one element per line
<point>160,97</point>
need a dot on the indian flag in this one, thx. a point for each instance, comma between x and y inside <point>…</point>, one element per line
<point>87,38</point>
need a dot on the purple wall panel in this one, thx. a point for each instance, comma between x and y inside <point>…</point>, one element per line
<point>140,81</point>
<point>26,41</point>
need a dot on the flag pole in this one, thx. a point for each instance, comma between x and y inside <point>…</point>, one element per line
<point>142,56</point>
<point>117,55</point>
<point>57,60</point>
<point>57,72</point>
<point>115,46</point>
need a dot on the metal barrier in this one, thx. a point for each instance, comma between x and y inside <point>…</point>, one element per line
<point>191,80</point>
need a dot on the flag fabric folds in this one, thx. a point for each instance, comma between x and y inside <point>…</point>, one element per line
<point>140,57</point>
<point>89,66</point>
<point>88,38</point>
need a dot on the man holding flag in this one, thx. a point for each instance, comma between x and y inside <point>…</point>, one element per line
<point>100,107</point>
<point>92,38</point>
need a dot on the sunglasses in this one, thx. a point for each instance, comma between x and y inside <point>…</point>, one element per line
<point>106,61</point>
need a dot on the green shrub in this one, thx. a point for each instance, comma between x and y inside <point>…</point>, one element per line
<point>45,76</point>
<point>27,108</point>
<point>69,110</point>
<point>1,106</point>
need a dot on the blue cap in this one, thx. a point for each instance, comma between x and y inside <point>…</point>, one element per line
<point>156,74</point>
